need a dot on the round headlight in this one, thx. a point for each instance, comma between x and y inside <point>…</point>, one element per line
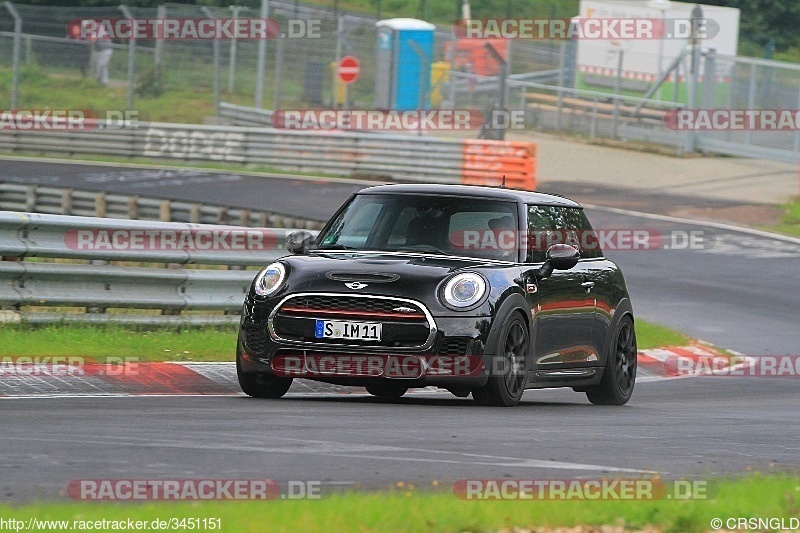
<point>270,279</point>
<point>464,290</point>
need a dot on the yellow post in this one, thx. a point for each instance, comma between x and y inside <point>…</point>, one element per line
<point>440,73</point>
<point>339,89</point>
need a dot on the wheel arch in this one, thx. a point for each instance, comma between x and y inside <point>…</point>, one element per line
<point>514,302</point>
<point>624,308</point>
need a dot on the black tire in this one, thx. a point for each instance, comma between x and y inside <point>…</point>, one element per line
<point>619,376</point>
<point>261,385</point>
<point>388,391</point>
<point>507,382</point>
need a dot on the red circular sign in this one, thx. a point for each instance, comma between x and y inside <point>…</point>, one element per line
<point>348,69</point>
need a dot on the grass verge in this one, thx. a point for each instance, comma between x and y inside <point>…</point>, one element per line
<point>790,222</point>
<point>404,508</point>
<point>181,343</point>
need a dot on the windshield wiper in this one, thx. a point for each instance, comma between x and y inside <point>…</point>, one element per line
<point>334,247</point>
<point>421,248</point>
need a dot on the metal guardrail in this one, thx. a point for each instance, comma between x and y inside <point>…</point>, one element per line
<point>67,201</point>
<point>241,115</point>
<point>100,286</point>
<point>401,157</point>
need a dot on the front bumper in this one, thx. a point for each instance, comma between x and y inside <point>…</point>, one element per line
<point>453,356</point>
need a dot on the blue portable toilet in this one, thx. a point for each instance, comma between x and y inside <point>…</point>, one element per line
<point>403,68</point>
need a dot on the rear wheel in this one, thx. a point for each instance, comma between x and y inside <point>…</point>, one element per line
<point>619,375</point>
<point>386,390</point>
<point>507,382</point>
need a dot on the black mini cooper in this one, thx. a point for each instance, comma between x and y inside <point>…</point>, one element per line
<point>477,290</point>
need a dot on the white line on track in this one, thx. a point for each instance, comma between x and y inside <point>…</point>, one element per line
<point>695,222</point>
<point>351,451</point>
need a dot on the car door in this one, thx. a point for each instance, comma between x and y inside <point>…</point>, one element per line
<point>562,304</point>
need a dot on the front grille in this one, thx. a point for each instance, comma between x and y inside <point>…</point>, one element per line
<point>350,307</point>
<point>404,323</point>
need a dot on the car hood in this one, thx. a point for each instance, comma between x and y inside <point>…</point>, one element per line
<point>398,274</point>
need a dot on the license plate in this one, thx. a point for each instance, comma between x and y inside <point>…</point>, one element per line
<point>339,329</point>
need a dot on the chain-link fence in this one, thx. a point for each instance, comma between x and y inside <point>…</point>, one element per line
<point>185,80</point>
<point>298,72</point>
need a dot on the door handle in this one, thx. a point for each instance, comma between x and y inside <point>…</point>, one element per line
<point>588,285</point>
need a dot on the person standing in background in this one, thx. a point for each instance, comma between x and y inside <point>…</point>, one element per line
<point>101,56</point>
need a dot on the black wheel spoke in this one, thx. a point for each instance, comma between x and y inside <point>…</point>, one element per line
<point>514,358</point>
<point>625,358</point>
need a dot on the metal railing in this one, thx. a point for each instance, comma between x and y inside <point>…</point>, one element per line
<point>240,115</point>
<point>27,280</point>
<point>400,157</point>
<point>68,201</point>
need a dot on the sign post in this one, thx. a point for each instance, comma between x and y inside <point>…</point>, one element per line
<point>348,73</point>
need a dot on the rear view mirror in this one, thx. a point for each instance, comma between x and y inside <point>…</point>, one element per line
<point>559,257</point>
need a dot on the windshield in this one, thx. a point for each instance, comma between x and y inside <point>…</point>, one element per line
<point>450,225</point>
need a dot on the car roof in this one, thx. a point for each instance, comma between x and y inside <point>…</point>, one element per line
<point>476,191</point>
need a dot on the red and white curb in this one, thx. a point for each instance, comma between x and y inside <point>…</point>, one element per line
<point>159,379</point>
<point>659,364</point>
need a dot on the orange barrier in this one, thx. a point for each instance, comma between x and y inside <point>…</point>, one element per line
<point>485,163</point>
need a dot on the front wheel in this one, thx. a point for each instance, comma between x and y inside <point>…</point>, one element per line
<point>388,391</point>
<point>261,385</point>
<point>507,382</point>
<point>619,375</point>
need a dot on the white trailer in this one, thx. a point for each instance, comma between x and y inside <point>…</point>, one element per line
<point>643,59</point>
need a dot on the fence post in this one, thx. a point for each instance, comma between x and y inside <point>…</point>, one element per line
<point>262,57</point>
<point>751,100</point>
<point>560,104</point>
<point>216,84</point>
<point>501,89</point>
<point>339,36</point>
<point>161,14</point>
<point>15,54</point>
<point>617,91</point>
<point>278,73</point>
<point>709,79</point>
<point>232,58</point>
<point>131,60</point>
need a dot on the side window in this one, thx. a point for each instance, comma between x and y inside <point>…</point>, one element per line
<point>540,230</point>
<point>549,225</point>
<point>589,245</point>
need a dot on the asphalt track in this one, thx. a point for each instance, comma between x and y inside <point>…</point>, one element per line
<point>696,427</point>
<point>741,294</point>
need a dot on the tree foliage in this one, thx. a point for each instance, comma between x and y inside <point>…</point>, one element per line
<point>762,20</point>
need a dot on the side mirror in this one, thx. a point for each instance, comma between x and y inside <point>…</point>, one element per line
<point>559,257</point>
<point>299,242</point>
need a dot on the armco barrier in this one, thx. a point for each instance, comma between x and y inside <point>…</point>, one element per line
<point>100,286</point>
<point>341,153</point>
<point>26,235</point>
<point>68,201</point>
